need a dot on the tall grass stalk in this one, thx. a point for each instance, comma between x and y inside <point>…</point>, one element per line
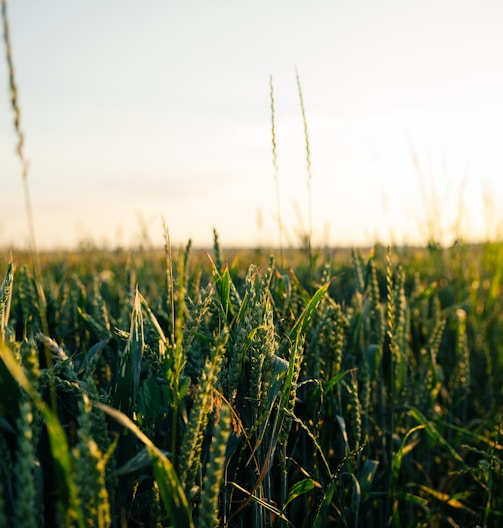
<point>14,100</point>
<point>176,354</point>
<point>276,168</point>
<point>170,300</point>
<point>309,172</point>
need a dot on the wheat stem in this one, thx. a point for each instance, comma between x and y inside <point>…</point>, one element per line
<point>14,100</point>
<point>275,165</point>
<point>308,167</point>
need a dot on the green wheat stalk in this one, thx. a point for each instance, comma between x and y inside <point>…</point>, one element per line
<point>90,464</point>
<point>376,319</point>
<point>26,512</point>
<point>189,461</point>
<point>400,329</point>
<point>215,468</point>
<point>357,264</point>
<point>217,251</point>
<point>6,299</point>
<point>460,380</point>
<point>355,410</point>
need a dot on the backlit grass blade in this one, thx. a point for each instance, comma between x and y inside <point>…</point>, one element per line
<point>263,503</point>
<point>223,284</point>
<point>403,450</point>
<point>305,317</point>
<point>366,476</point>
<point>138,462</point>
<point>128,379</point>
<point>452,501</point>
<point>288,392</point>
<point>300,488</point>
<point>434,434</point>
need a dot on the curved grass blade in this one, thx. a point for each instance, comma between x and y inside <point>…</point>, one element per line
<point>453,501</point>
<point>170,488</point>
<point>366,476</point>
<point>128,379</point>
<point>434,434</point>
<point>263,503</point>
<point>402,451</point>
<point>300,488</point>
<point>305,317</point>
<point>296,332</point>
<point>140,461</point>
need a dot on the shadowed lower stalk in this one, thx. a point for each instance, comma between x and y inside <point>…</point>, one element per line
<point>389,377</point>
<point>26,511</point>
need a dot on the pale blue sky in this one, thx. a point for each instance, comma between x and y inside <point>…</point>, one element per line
<point>161,109</point>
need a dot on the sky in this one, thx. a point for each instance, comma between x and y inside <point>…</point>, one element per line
<point>137,115</point>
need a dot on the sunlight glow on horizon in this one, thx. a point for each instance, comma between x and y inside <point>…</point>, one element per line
<point>403,109</point>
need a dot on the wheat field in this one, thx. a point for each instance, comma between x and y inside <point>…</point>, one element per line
<point>180,389</point>
<point>271,388</point>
